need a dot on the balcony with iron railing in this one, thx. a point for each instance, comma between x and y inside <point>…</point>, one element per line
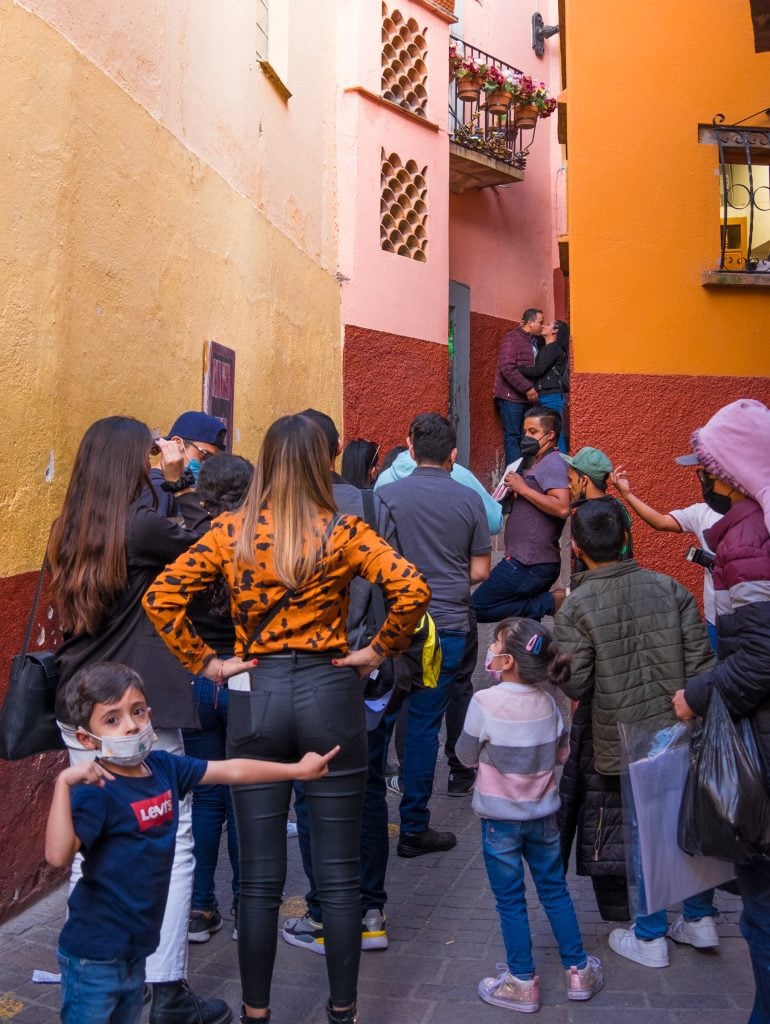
<point>489,135</point>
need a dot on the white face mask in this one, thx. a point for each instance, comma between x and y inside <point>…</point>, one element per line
<point>126,750</point>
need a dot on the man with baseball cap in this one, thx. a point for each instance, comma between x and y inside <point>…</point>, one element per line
<point>732,456</point>
<point>588,471</point>
<point>201,436</point>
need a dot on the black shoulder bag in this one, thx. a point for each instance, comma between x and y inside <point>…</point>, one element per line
<point>27,720</point>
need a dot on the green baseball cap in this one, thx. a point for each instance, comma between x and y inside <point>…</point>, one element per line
<point>591,462</point>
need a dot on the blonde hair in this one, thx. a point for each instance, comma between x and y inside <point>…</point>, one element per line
<point>291,475</point>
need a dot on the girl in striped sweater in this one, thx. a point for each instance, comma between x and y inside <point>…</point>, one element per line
<point>515,736</point>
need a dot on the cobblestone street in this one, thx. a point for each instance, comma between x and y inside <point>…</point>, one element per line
<point>444,937</point>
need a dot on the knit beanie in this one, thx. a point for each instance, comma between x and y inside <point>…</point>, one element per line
<point>735,446</point>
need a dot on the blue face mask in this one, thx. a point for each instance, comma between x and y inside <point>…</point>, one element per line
<point>194,465</point>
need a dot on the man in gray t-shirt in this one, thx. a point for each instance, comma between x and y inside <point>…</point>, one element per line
<point>520,582</point>
<point>442,529</point>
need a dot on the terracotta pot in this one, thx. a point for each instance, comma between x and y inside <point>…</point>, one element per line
<point>526,116</point>
<point>469,87</point>
<point>498,101</point>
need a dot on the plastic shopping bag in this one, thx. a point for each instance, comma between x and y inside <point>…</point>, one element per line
<point>725,809</point>
<point>660,874</point>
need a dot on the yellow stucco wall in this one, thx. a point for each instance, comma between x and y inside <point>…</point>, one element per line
<point>643,198</point>
<point>121,253</point>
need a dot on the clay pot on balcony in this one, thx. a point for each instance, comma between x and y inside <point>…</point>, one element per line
<point>498,101</point>
<point>469,88</point>
<point>526,116</point>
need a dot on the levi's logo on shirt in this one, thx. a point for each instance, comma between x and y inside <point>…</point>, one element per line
<point>155,810</point>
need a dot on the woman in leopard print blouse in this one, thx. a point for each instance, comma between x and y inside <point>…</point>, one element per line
<point>288,560</point>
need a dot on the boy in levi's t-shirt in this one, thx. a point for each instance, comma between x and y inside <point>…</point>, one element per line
<point>121,811</point>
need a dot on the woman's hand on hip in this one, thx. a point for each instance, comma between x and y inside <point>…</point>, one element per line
<point>364,661</point>
<point>219,669</point>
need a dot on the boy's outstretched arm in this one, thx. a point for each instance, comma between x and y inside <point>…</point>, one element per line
<point>61,842</point>
<point>242,770</point>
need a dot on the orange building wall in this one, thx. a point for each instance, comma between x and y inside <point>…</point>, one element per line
<point>643,198</point>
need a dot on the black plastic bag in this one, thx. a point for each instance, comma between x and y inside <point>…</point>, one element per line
<point>725,811</point>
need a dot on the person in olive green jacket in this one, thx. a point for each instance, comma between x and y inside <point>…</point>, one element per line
<point>635,637</point>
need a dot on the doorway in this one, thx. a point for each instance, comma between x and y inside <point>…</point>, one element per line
<point>460,367</point>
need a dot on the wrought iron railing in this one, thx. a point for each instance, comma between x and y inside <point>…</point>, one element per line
<point>744,169</point>
<point>474,127</point>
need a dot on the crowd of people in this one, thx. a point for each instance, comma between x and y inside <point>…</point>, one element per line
<point>239,636</point>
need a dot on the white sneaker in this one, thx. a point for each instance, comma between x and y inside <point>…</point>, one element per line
<point>648,952</point>
<point>701,933</point>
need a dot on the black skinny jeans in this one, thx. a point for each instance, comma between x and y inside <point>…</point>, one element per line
<point>298,703</point>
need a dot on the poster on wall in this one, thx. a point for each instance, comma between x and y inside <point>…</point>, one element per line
<point>219,385</point>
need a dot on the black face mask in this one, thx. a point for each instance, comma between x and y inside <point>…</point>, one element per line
<point>719,503</point>
<point>530,449</point>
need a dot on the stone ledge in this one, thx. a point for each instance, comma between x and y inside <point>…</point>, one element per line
<point>734,279</point>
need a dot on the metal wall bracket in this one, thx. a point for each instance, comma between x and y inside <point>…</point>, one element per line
<point>541,32</point>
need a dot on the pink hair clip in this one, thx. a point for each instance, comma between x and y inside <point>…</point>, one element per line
<point>534,644</point>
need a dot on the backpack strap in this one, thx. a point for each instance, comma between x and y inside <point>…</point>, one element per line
<point>376,600</point>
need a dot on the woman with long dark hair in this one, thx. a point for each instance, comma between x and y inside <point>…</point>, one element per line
<point>106,547</point>
<point>288,560</point>
<point>359,463</point>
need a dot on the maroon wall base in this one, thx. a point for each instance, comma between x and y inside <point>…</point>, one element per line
<point>387,380</point>
<point>28,784</point>
<point>643,422</point>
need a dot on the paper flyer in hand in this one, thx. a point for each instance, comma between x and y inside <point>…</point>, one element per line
<point>500,491</point>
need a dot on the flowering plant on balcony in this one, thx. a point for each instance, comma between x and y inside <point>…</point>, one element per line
<point>466,67</point>
<point>527,92</point>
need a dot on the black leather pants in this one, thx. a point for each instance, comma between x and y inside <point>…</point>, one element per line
<point>298,703</point>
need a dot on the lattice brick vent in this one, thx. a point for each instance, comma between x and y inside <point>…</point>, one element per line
<point>404,73</point>
<point>403,208</point>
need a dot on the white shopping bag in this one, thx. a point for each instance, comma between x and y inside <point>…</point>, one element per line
<point>669,874</point>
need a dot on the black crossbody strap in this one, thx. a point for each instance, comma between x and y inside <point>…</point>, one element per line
<point>268,617</point>
<point>376,600</point>
<point>35,602</point>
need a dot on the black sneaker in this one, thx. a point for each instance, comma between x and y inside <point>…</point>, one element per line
<point>460,783</point>
<point>202,925</point>
<point>174,1002</point>
<point>415,844</point>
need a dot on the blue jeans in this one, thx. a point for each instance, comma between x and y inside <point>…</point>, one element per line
<point>516,589</point>
<point>512,416</point>
<point>424,712</point>
<point>556,402</point>
<point>375,844</point>
<point>506,845</point>
<point>754,886</point>
<point>211,806</point>
<point>101,991</point>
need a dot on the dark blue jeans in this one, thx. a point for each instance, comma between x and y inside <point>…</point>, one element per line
<point>754,885</point>
<point>512,416</point>
<point>374,831</point>
<point>211,806</point>
<point>556,402</point>
<point>424,712</point>
<point>106,991</point>
<point>506,845</point>
<point>513,588</point>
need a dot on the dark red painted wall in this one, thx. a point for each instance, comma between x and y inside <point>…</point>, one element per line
<point>643,422</point>
<point>27,785</point>
<point>387,380</point>
<point>486,431</point>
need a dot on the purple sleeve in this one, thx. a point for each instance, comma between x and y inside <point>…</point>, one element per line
<point>550,474</point>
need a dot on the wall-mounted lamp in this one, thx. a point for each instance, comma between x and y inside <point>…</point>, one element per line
<point>541,32</point>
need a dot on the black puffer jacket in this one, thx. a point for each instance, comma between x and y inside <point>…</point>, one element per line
<point>591,817</point>
<point>547,370</point>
